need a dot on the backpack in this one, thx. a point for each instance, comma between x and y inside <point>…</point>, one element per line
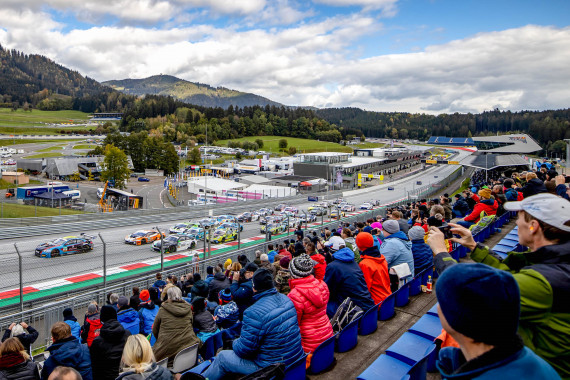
<point>346,313</point>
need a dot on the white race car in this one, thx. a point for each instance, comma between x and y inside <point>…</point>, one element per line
<point>366,206</point>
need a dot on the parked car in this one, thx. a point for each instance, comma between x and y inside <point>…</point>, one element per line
<point>143,179</point>
<point>67,245</point>
<point>173,243</point>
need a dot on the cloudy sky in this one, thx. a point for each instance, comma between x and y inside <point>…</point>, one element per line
<point>430,56</point>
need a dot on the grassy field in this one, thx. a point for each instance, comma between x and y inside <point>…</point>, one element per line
<point>28,123</point>
<point>45,155</point>
<point>10,142</point>
<point>10,185</point>
<point>271,144</point>
<point>85,146</point>
<point>50,149</point>
<point>11,210</point>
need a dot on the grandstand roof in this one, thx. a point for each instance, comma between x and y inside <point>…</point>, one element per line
<point>491,161</point>
<point>455,141</point>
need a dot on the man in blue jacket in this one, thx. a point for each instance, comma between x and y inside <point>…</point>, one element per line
<point>479,307</point>
<point>460,207</point>
<point>147,313</point>
<point>423,256</point>
<point>396,247</point>
<point>242,288</point>
<point>345,279</point>
<point>127,316</point>
<point>270,333</point>
<point>67,351</point>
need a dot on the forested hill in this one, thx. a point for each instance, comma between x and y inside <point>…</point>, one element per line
<point>547,127</point>
<point>189,92</point>
<point>39,81</point>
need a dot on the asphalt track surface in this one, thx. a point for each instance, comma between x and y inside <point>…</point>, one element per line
<point>118,253</point>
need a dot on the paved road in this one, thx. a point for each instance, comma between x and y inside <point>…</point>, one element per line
<point>118,253</point>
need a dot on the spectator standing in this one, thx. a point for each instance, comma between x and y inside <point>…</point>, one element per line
<point>310,297</point>
<point>127,316</point>
<point>173,327</point>
<point>219,282</point>
<point>107,348</point>
<point>135,299</point>
<point>15,363</point>
<point>18,330</point>
<point>396,247</point>
<point>345,279</point>
<point>92,325</point>
<point>140,363</point>
<point>320,267</point>
<point>269,334</point>
<point>467,295</point>
<point>374,267</point>
<point>397,216</point>
<point>70,319</point>
<point>271,253</point>
<point>159,283</point>
<point>423,256</point>
<point>210,275</point>
<point>147,313</point>
<point>67,351</point>
<point>242,288</point>
<point>281,281</point>
<point>227,313</point>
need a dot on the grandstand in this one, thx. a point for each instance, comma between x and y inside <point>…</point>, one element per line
<point>508,144</point>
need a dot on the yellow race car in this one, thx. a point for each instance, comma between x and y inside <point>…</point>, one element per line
<point>222,235</point>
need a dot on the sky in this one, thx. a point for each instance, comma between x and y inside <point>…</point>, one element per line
<point>421,56</point>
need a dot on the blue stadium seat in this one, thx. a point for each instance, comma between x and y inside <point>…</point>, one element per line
<point>416,285</point>
<point>403,295</point>
<point>211,346</point>
<point>347,338</point>
<point>323,356</point>
<point>433,311</point>
<point>428,327</point>
<point>232,332</point>
<point>409,348</point>
<point>455,254</point>
<point>387,308</point>
<point>422,366</point>
<point>369,321</point>
<point>297,370</point>
<point>200,368</point>
<point>385,368</point>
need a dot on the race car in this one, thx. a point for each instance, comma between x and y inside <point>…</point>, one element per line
<point>319,211</point>
<point>175,242</point>
<point>290,209</point>
<point>247,217</point>
<point>221,235</point>
<point>226,218</point>
<point>335,214</point>
<point>181,227</point>
<point>265,211</point>
<point>231,226</point>
<point>338,201</point>
<point>196,233</point>
<point>207,222</point>
<point>143,237</point>
<point>280,207</point>
<point>65,246</point>
<point>272,219</point>
<point>275,229</point>
<point>348,208</point>
<point>309,218</point>
<point>366,206</point>
<point>390,188</point>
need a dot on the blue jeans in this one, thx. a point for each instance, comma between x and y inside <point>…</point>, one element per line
<point>465,224</point>
<point>228,362</point>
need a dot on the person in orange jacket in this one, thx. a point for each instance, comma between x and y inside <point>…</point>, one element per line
<point>374,267</point>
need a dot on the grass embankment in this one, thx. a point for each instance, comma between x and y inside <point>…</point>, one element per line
<point>35,123</point>
<point>11,210</point>
<point>464,186</point>
<point>20,141</point>
<point>45,155</point>
<point>85,146</point>
<point>50,149</point>
<point>271,144</point>
<point>9,185</point>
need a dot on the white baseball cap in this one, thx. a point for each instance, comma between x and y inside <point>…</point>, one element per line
<point>547,208</point>
<point>335,243</point>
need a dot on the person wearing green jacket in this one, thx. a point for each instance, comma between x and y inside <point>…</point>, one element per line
<point>542,273</point>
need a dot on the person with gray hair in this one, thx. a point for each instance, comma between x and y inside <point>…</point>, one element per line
<point>65,373</point>
<point>18,330</point>
<point>173,326</point>
<point>396,247</point>
<point>113,300</point>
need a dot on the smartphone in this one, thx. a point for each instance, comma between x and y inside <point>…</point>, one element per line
<point>446,230</point>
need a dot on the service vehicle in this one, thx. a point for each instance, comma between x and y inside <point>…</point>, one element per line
<point>142,237</point>
<point>348,208</point>
<point>67,245</point>
<point>176,242</point>
<point>221,235</point>
<point>366,206</point>
<point>418,182</point>
<point>391,188</point>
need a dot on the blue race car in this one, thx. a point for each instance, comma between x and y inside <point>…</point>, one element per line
<point>143,179</point>
<point>65,246</point>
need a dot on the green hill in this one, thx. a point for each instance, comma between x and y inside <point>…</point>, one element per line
<point>189,92</point>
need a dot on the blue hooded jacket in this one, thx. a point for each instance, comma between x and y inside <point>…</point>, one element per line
<point>397,249</point>
<point>242,294</point>
<point>423,255</point>
<point>270,332</point>
<point>68,352</point>
<point>345,279</point>
<point>74,325</point>
<point>130,320</point>
<point>147,315</point>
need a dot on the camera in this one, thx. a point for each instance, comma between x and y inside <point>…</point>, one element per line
<point>446,230</point>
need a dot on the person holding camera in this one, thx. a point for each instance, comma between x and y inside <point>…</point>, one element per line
<point>25,333</point>
<point>242,287</point>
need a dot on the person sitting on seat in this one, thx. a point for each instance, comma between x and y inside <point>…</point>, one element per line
<point>487,204</point>
<point>67,351</point>
<point>140,363</point>
<point>204,323</point>
<point>227,313</point>
<point>374,267</point>
<point>15,362</point>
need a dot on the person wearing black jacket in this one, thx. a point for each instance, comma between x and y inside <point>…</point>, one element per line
<point>134,300</point>
<point>15,363</point>
<point>220,282</point>
<point>107,349</point>
<point>19,331</point>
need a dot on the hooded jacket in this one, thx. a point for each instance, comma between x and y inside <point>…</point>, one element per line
<point>397,249</point>
<point>375,270</point>
<point>26,338</point>
<point>68,352</point>
<point>73,325</point>
<point>130,320</point>
<point>490,207</point>
<point>226,315</point>
<point>533,187</point>
<point>242,294</point>
<point>320,267</point>
<point>204,321</point>
<point>270,332</point>
<point>219,282</point>
<point>173,330</point>
<point>423,255</point>
<point>543,277</point>
<point>345,279</point>
<point>310,297</point>
<point>511,195</point>
<point>155,372</point>
<point>147,314</point>
<point>91,328</point>
<point>461,208</point>
<point>14,366</point>
<point>107,350</point>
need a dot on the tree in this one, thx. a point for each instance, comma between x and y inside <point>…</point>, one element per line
<point>292,150</point>
<point>115,166</point>
<point>283,143</point>
<point>362,138</point>
<point>194,157</point>
<point>259,143</point>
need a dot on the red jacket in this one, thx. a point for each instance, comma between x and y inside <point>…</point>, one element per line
<point>321,266</point>
<point>375,270</point>
<point>310,297</point>
<point>489,206</point>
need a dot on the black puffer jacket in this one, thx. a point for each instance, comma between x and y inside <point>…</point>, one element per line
<point>533,187</point>
<point>15,367</point>
<point>107,349</point>
<point>219,282</point>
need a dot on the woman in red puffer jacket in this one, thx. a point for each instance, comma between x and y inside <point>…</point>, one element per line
<point>310,297</point>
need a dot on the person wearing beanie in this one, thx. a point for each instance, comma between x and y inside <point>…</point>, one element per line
<point>374,267</point>
<point>92,324</point>
<point>423,256</point>
<point>310,297</point>
<point>227,264</point>
<point>283,276</point>
<point>147,313</point>
<point>487,205</point>
<point>396,247</point>
<point>242,288</point>
<point>128,316</point>
<point>107,349</point>
<point>468,295</point>
<point>70,319</point>
<point>269,334</point>
<point>219,282</point>
<point>227,313</point>
<point>345,279</point>
<point>204,324</point>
